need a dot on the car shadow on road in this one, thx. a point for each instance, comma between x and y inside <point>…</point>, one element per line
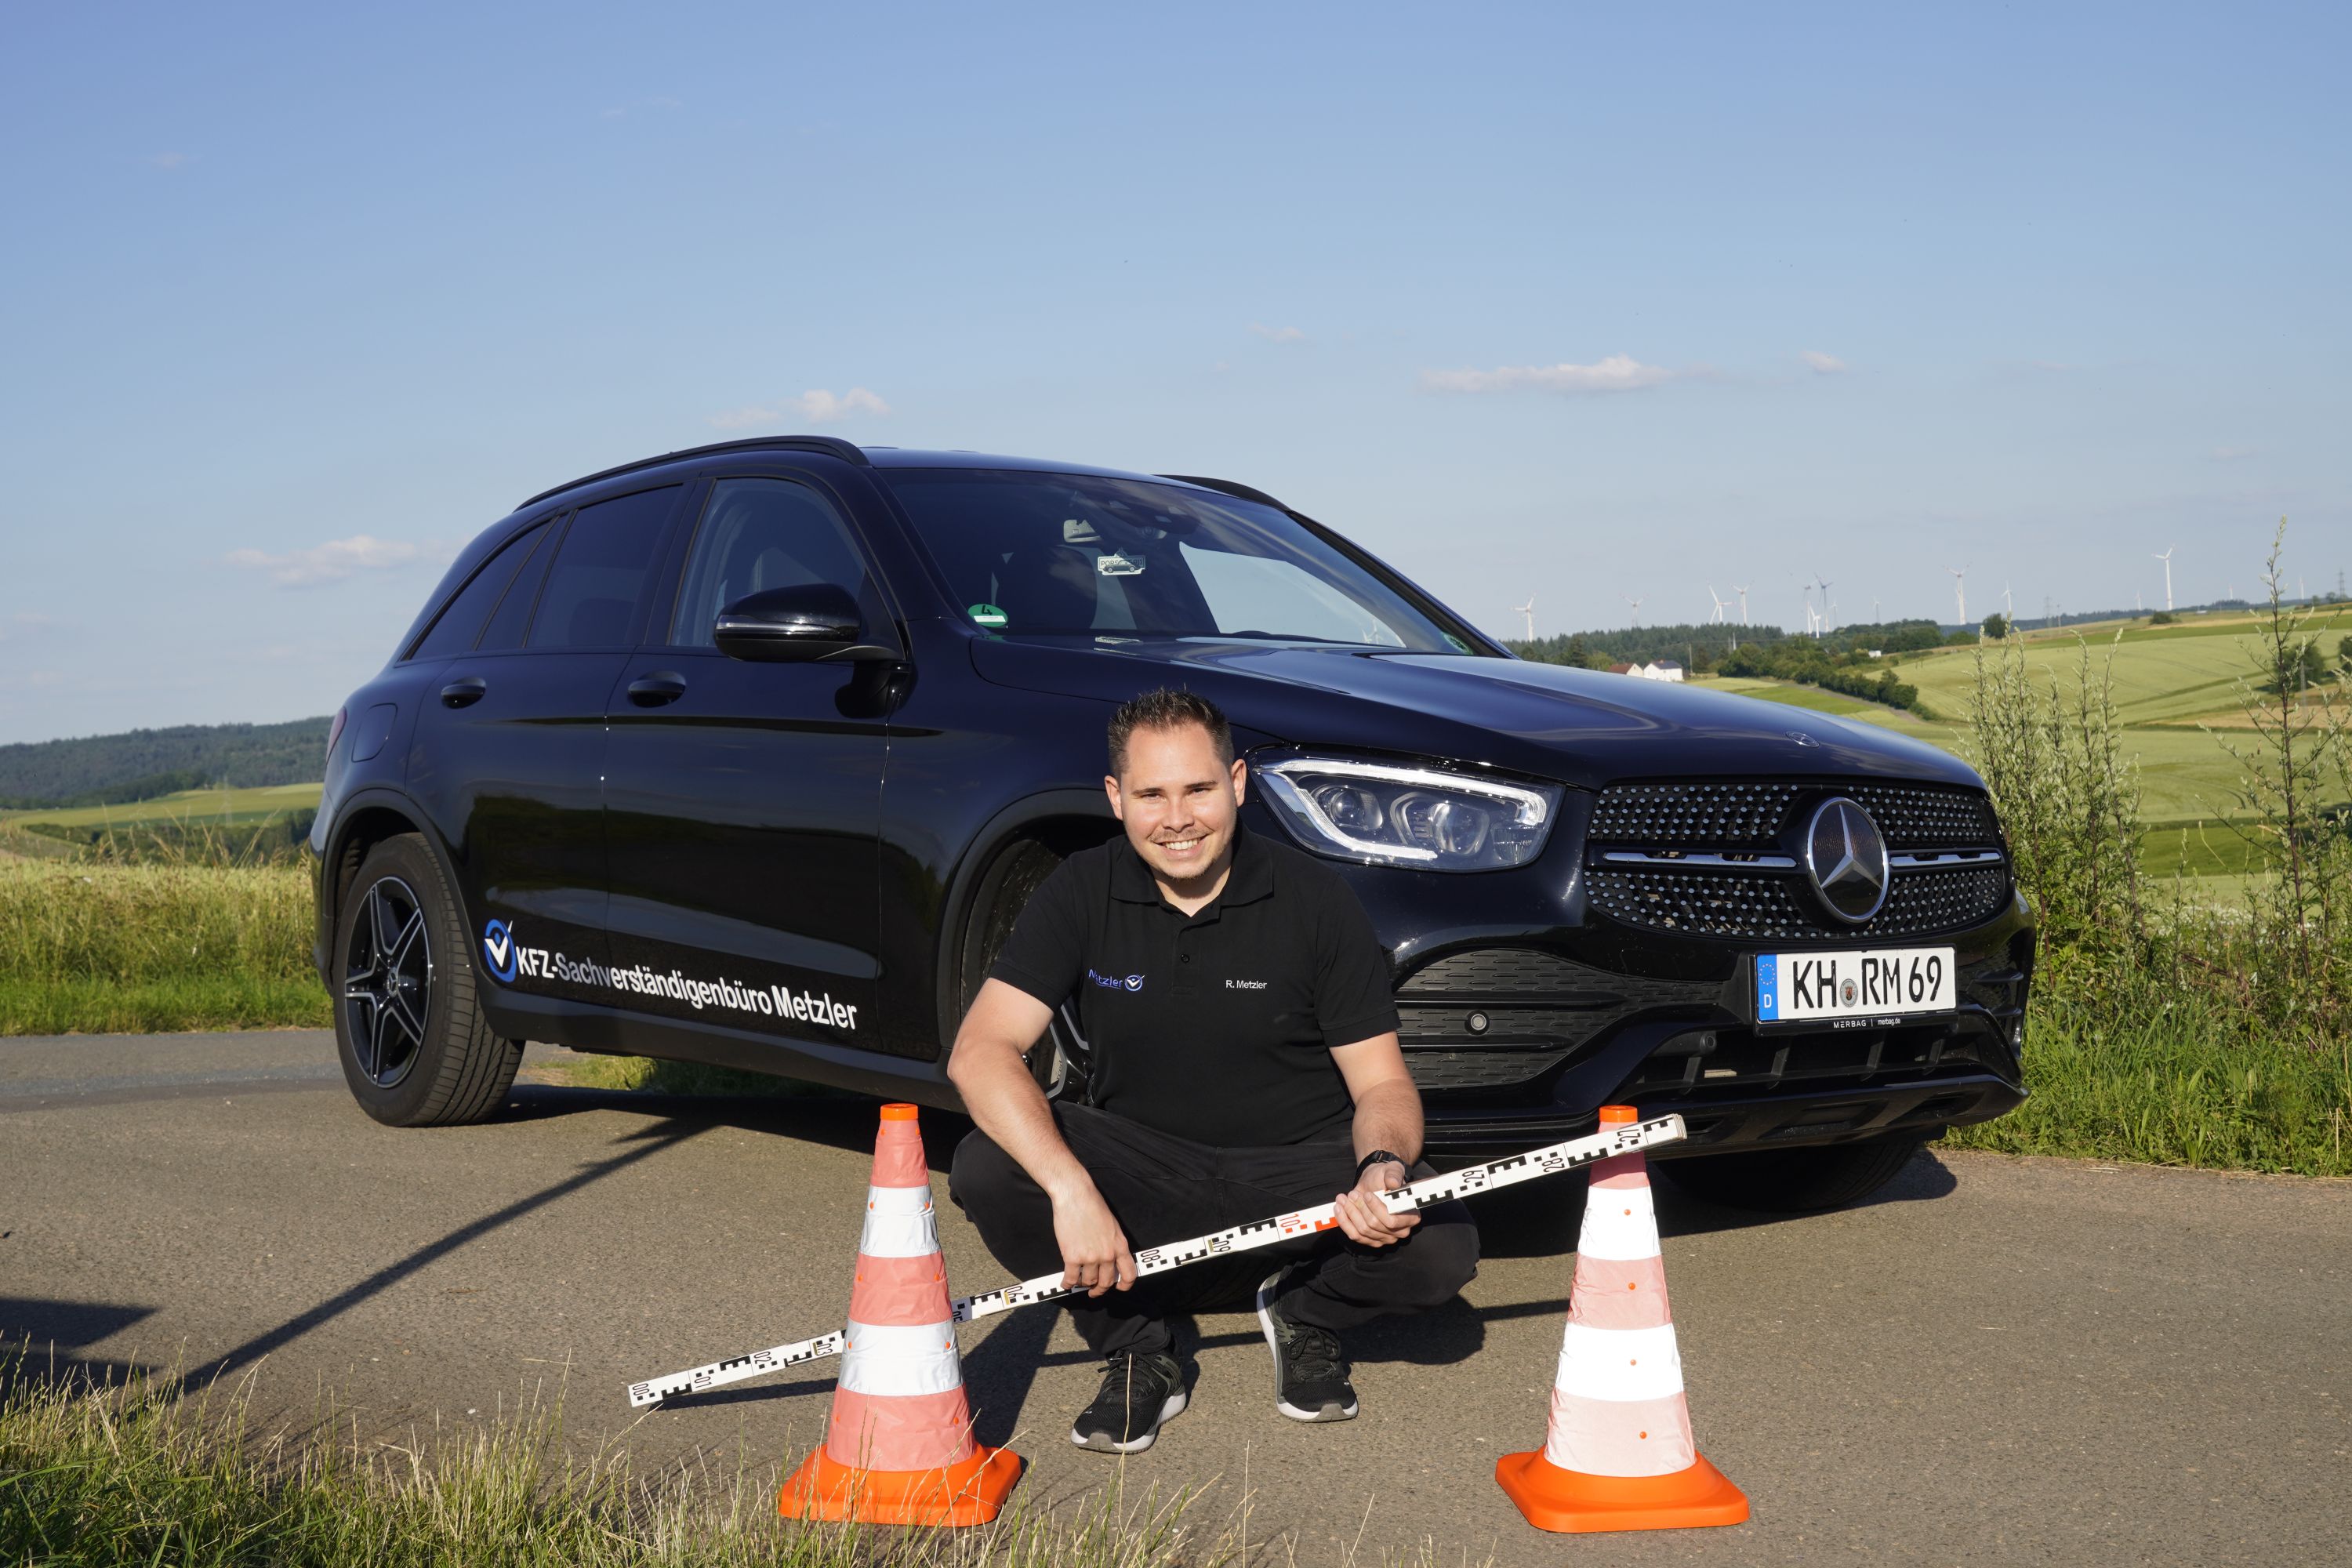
<point>641,1144</point>
<point>1540,1219</point>
<point>35,1328</point>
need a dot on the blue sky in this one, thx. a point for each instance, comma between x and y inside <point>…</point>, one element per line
<point>1589,303</point>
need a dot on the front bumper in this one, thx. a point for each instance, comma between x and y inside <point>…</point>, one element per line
<point>1685,1042</point>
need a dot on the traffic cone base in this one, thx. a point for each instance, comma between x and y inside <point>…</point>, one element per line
<point>970,1492</point>
<point>1572,1501</point>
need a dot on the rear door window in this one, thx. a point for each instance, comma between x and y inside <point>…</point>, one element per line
<point>600,572</point>
<point>454,630</point>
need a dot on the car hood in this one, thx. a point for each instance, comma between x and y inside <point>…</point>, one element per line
<point>1582,727</point>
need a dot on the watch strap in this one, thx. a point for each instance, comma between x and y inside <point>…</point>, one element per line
<point>1375,1157</point>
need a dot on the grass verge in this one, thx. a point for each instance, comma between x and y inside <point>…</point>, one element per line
<point>89,947</point>
<point>85,1006</point>
<point>656,1077</point>
<point>140,1475</point>
<point>2174,1081</point>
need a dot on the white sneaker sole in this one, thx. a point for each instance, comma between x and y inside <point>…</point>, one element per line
<point>1274,1347</point>
<point>1100,1442</point>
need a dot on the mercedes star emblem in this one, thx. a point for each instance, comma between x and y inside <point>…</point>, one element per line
<point>1845,855</point>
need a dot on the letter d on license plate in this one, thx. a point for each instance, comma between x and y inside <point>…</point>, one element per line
<point>1790,986</point>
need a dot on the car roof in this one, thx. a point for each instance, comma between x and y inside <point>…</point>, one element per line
<point>864,456</point>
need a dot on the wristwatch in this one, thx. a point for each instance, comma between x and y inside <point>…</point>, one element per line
<point>1374,1158</point>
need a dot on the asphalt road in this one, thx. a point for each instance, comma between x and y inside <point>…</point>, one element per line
<point>2002,1360</point>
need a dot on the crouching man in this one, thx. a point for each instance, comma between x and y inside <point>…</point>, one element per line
<point>1244,1063</point>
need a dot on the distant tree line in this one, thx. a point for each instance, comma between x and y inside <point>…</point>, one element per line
<point>1698,645</point>
<point>1828,661</point>
<point>111,770</point>
<point>1851,672</point>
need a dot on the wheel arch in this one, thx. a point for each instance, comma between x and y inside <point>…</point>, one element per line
<point>365,821</point>
<point>1062,820</point>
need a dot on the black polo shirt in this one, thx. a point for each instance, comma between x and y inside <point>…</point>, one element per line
<point>1219,1026</point>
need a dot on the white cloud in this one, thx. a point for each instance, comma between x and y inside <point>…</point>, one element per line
<point>817,407</point>
<point>1618,373</point>
<point>1822,363</point>
<point>168,161</point>
<point>328,562</point>
<point>27,623</point>
<point>1278,334</point>
<point>2232,454</point>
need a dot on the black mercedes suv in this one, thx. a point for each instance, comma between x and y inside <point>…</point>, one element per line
<point>749,755</point>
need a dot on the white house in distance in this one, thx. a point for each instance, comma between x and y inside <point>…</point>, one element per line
<point>1664,670</point>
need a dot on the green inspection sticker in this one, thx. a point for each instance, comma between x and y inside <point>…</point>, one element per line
<point>986,616</point>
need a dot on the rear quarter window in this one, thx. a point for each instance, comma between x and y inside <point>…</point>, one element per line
<point>454,630</point>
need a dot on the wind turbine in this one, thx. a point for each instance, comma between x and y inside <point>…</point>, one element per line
<point>1829,605</point>
<point>2009,609</point>
<point>1637,609</point>
<point>1960,590</point>
<point>2167,559</point>
<point>1528,610</point>
<point>1743,603</point>
<point>1717,619</point>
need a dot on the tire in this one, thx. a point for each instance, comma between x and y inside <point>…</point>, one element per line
<point>1058,1061</point>
<point>401,936</point>
<point>1795,1181</point>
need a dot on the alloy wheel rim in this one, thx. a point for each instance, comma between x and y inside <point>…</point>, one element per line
<point>387,981</point>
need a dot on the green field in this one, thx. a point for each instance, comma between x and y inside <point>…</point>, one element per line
<point>2168,679</point>
<point>189,808</point>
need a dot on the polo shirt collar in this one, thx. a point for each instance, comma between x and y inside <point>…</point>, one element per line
<point>1250,878</point>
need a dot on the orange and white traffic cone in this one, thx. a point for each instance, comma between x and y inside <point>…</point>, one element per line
<point>898,1448</point>
<point>1619,1455</point>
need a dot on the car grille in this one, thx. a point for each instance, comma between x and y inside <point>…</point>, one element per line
<point>1752,815</point>
<point>1769,905</point>
<point>1757,901</point>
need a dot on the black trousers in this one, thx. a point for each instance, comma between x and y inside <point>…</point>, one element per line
<point>1163,1188</point>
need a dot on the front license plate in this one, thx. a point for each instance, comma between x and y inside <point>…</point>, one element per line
<point>1790,986</point>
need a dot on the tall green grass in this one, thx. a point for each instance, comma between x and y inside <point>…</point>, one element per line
<point>93,946</point>
<point>2173,1079</point>
<point>143,1476</point>
<point>2166,1028</point>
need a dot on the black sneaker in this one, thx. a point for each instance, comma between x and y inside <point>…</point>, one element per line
<point>1139,1395</point>
<point>1310,1370</point>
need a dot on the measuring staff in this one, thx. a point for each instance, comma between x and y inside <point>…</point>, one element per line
<point>1241,1038</point>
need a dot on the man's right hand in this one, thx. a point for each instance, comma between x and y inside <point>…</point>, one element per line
<point>1095,1256</point>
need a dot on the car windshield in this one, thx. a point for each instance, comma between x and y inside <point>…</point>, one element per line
<point>1081,554</point>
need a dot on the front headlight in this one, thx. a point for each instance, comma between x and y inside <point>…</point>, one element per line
<point>1392,815</point>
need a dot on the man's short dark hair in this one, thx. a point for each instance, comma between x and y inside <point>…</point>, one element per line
<point>1167,709</point>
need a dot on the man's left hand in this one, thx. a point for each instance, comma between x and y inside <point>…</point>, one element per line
<point>1364,1219</point>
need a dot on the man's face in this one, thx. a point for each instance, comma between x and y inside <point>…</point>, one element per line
<point>1178,800</point>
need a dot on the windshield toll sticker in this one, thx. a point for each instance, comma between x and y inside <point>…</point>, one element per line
<point>987,615</point>
<point>1117,565</point>
<point>801,1006</point>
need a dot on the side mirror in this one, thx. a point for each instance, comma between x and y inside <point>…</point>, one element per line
<point>799,625</point>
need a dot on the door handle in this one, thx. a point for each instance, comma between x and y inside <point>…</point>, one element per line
<point>464,693</point>
<point>653,691</point>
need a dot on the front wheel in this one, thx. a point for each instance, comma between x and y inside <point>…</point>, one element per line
<point>415,1047</point>
<point>1795,1181</point>
<point>1058,1060</point>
